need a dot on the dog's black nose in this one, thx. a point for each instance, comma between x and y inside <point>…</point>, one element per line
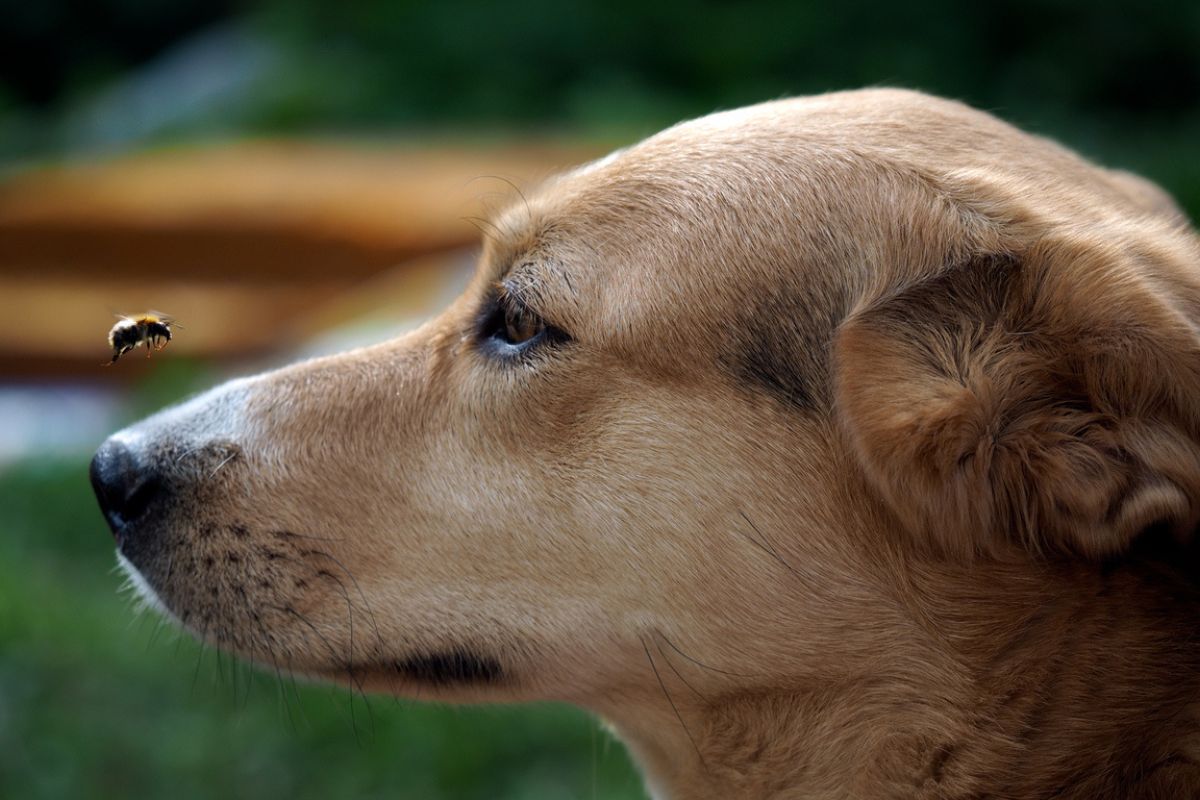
<point>123,485</point>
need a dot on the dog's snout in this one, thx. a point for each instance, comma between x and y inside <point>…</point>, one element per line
<point>124,485</point>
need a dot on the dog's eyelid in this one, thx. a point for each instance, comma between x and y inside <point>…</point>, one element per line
<point>521,295</point>
<point>536,279</point>
<point>512,296</point>
<point>522,299</point>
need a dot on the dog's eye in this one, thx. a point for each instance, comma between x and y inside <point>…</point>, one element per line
<point>521,325</point>
<point>509,328</point>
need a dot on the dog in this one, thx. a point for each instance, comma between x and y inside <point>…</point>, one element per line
<point>844,446</point>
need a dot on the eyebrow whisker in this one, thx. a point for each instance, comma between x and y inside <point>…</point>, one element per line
<point>515,188</point>
<point>478,224</point>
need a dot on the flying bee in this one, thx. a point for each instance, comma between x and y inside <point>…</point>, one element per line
<point>152,329</point>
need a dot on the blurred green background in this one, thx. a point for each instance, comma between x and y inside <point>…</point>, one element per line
<point>1119,81</point>
<point>95,702</point>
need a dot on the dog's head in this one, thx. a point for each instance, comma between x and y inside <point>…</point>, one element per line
<point>701,401</point>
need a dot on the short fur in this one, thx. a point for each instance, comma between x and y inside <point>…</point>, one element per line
<point>867,466</point>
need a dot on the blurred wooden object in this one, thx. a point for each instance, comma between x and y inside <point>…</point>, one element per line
<point>238,242</point>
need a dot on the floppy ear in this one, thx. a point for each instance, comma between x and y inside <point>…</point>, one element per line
<point>1050,399</point>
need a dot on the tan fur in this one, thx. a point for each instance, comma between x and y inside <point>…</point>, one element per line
<point>870,470</point>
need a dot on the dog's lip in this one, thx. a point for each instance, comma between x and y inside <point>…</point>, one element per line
<point>149,593</point>
<point>449,668</point>
<point>123,529</point>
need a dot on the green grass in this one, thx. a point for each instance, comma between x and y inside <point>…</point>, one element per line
<point>96,702</point>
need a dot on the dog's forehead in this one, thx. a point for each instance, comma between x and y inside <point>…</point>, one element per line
<point>817,185</point>
<point>732,170</point>
<point>686,209</point>
<point>636,206</point>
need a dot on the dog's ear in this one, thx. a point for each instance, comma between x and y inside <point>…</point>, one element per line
<point>1051,399</point>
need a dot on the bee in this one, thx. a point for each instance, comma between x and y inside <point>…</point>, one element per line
<point>152,328</point>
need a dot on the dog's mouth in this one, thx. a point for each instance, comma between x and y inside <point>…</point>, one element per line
<point>447,667</point>
<point>450,668</point>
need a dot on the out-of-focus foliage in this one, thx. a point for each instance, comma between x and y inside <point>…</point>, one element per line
<point>376,61</point>
<point>1120,81</point>
<point>589,61</point>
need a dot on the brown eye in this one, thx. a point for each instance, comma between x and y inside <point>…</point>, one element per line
<point>521,326</point>
<point>508,329</point>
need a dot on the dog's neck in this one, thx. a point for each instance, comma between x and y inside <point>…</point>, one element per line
<point>1067,681</point>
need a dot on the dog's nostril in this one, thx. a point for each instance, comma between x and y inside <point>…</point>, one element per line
<point>124,487</point>
<point>139,499</point>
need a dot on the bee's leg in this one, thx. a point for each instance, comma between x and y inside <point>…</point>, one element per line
<point>149,349</point>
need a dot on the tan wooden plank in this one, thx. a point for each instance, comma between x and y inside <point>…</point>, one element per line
<point>260,210</point>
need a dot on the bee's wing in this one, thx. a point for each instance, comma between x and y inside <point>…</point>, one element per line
<point>166,318</point>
